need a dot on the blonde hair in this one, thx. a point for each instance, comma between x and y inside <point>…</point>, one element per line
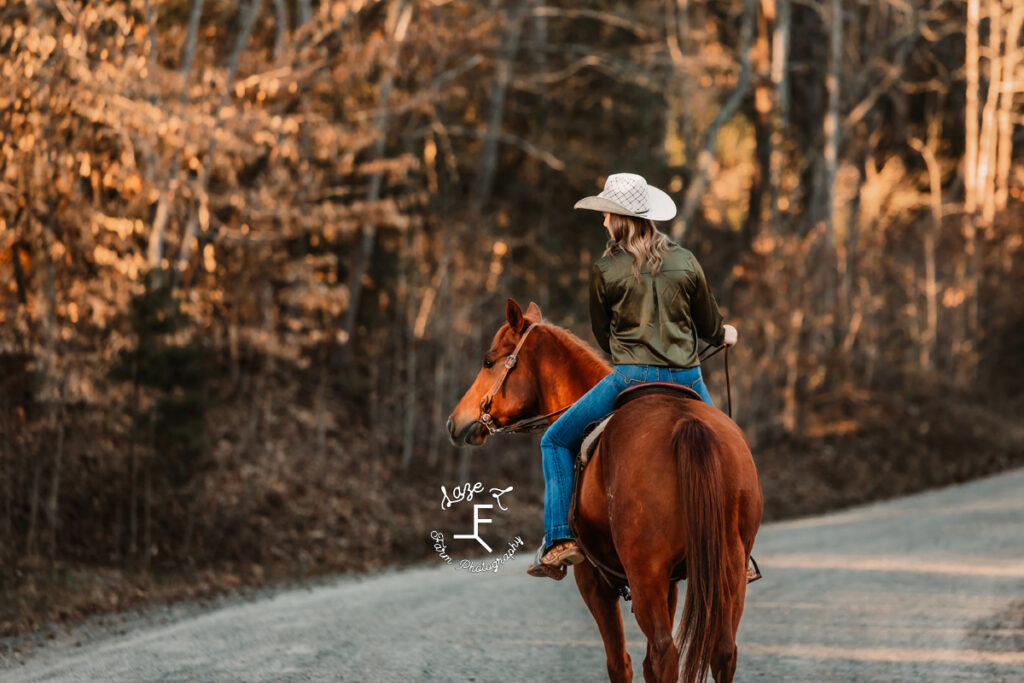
<point>641,238</point>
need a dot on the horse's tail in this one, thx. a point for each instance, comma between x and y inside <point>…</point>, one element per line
<point>700,489</point>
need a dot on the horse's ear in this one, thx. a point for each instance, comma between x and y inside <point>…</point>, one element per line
<point>533,313</point>
<point>514,315</point>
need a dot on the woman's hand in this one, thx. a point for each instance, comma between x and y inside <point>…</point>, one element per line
<point>731,335</point>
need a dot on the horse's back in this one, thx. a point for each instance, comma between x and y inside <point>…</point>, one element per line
<point>633,480</point>
<point>643,429</point>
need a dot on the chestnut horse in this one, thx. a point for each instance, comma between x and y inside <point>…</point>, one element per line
<point>671,482</point>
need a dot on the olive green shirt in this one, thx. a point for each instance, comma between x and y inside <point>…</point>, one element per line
<point>657,320</point>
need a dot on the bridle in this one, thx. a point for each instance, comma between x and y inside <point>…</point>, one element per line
<point>529,424</point>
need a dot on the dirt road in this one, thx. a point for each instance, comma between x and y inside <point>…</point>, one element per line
<point>927,588</point>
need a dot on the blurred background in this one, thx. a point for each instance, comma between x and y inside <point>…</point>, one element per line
<point>251,254</point>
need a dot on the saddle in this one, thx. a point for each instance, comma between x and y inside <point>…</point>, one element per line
<point>592,434</point>
<point>656,389</point>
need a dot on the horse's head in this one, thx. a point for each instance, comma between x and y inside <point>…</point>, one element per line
<point>516,396</point>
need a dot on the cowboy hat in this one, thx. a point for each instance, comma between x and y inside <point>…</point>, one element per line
<point>629,194</point>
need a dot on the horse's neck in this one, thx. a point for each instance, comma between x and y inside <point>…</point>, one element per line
<point>570,372</point>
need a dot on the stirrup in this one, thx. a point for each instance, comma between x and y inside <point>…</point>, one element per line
<point>753,571</point>
<point>544,571</point>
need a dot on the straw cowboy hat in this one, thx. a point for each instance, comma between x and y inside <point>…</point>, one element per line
<point>630,195</point>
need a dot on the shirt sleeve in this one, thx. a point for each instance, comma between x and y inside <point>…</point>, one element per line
<point>599,319</point>
<point>704,309</point>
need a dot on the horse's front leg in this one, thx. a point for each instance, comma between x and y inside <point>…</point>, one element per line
<point>603,603</point>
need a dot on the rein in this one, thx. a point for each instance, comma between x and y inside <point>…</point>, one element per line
<point>530,424</point>
<point>728,384</point>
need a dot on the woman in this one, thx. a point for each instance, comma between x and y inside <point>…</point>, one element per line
<point>649,306</point>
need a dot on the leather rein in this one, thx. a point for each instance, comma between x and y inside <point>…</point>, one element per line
<point>713,351</point>
<point>530,424</point>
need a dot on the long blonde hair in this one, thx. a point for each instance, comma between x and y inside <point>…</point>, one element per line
<point>641,238</point>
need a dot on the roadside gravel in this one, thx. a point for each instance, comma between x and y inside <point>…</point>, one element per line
<point>929,587</point>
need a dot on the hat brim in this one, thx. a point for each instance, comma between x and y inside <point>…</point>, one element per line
<point>661,208</point>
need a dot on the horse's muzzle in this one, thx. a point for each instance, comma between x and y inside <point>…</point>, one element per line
<point>473,434</point>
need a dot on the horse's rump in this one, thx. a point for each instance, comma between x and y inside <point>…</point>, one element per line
<point>664,492</point>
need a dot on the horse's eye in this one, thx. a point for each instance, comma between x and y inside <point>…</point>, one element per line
<point>488,363</point>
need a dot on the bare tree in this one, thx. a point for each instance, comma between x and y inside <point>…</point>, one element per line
<point>1009,89</point>
<point>931,290</point>
<point>780,84</point>
<point>970,266</point>
<point>496,107</point>
<point>699,183</point>
<point>399,16</point>
<point>764,106</point>
<point>830,126</point>
<point>155,251</point>
<point>971,114</point>
<point>280,28</point>
<point>304,13</point>
<point>57,425</point>
<point>247,13</point>
<point>985,174</point>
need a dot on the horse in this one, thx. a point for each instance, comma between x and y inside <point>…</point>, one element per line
<point>671,486</point>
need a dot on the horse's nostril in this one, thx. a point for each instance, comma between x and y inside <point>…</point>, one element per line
<point>449,426</point>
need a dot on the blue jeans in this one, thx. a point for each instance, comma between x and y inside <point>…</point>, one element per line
<point>562,440</point>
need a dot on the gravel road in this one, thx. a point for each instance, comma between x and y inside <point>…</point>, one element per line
<point>926,588</point>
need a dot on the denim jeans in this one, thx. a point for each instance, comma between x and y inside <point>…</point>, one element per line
<point>562,440</point>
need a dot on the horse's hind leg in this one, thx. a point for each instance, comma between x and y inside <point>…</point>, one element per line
<point>673,595</point>
<point>603,603</point>
<point>651,600</point>
<point>723,660</point>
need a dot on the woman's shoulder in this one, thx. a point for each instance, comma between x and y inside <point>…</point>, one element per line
<point>678,257</point>
<point>615,257</point>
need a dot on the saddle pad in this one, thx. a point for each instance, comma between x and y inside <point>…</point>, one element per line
<point>591,439</point>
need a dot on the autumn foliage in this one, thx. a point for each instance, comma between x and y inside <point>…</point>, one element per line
<point>251,252</point>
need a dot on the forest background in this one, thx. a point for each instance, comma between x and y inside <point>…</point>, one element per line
<point>251,254</point>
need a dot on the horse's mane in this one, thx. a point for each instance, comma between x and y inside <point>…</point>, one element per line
<point>578,347</point>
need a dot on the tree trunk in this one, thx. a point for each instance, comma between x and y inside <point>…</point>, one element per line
<point>33,509</point>
<point>398,22</point>
<point>247,18</point>
<point>47,389</point>
<point>830,126</point>
<point>133,467</point>
<point>790,402</point>
<point>987,142</point>
<point>780,117</point>
<point>52,502</point>
<point>133,499</point>
<point>155,250</point>
<point>147,514</point>
<point>706,156</point>
<point>928,343</point>
<point>495,108</point>
<point>280,29</point>
<point>971,113</point>
<point>304,13</point>
<point>7,471</point>
<point>971,123</point>
<point>1011,60</point>
<point>320,409</point>
<point>849,317</point>
<point>762,116</point>
<point>409,389</point>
